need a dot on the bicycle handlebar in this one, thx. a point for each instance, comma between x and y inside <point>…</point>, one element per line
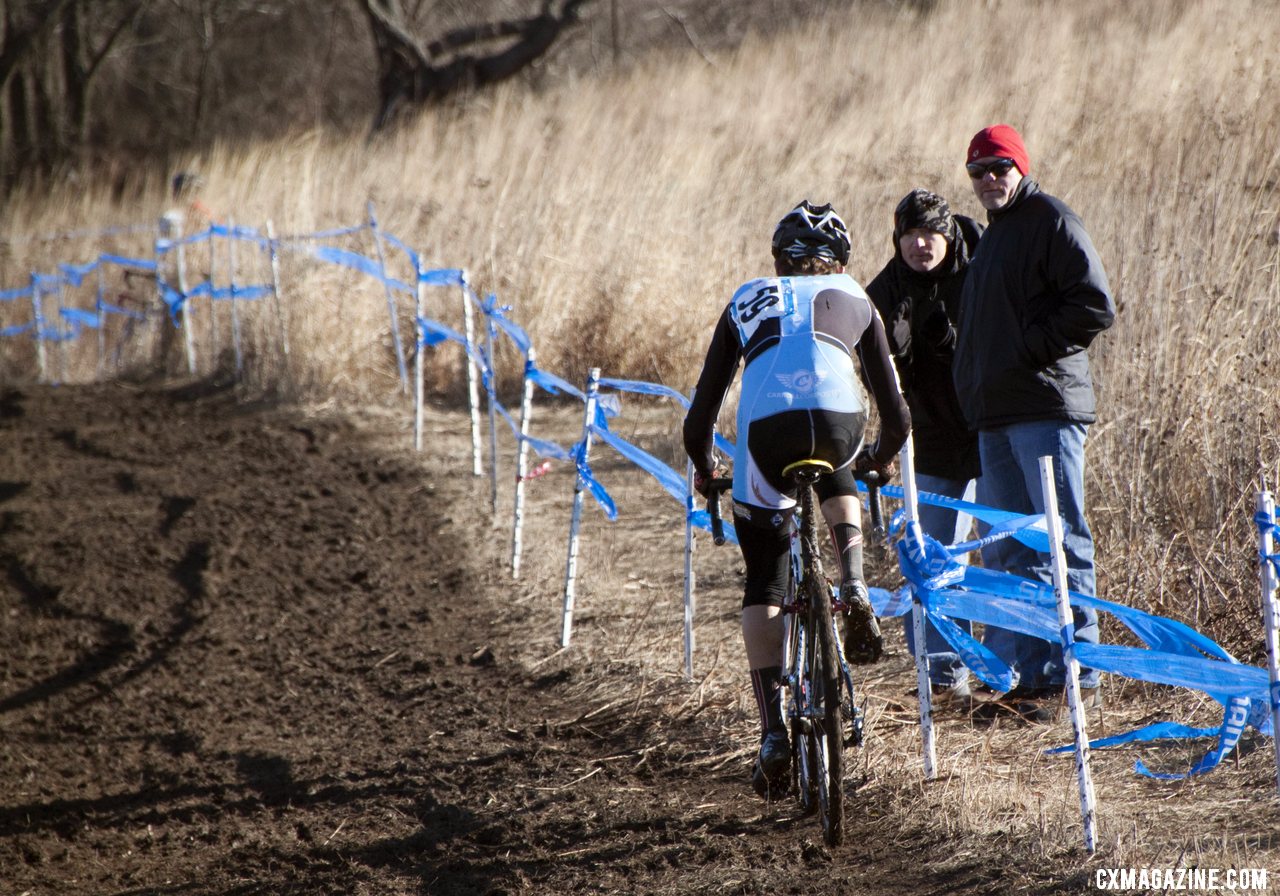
<point>715,486</point>
<point>873,481</point>
<point>720,484</point>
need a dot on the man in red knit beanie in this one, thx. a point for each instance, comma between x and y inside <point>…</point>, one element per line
<point>1034,299</point>
<point>1000,140</point>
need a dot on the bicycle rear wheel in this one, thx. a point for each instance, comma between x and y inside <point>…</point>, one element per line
<point>804,750</point>
<point>827,738</point>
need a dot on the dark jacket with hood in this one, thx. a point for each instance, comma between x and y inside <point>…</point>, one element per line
<point>1034,299</point>
<point>919,312</point>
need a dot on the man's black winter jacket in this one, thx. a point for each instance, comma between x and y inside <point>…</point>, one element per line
<point>919,312</point>
<point>1034,299</point>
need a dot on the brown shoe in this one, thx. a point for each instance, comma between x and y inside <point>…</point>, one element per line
<point>863,642</point>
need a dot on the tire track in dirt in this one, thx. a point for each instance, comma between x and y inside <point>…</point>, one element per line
<point>249,650</point>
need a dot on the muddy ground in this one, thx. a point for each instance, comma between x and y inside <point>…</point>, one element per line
<point>246,648</point>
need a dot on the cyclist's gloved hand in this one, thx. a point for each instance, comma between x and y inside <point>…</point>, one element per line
<point>702,482</point>
<point>865,463</point>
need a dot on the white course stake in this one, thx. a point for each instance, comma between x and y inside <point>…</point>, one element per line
<point>473,388</point>
<point>235,304</point>
<point>215,344</point>
<point>571,567</point>
<point>1271,617</point>
<point>37,311</point>
<point>1066,622</point>
<point>185,317</point>
<point>689,545</point>
<point>419,288</point>
<point>522,463</point>
<point>911,504</point>
<point>99,299</point>
<point>277,303</point>
<point>490,391</point>
<point>62,340</point>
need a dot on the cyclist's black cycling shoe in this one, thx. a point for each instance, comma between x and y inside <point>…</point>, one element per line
<point>769,776</point>
<point>862,640</point>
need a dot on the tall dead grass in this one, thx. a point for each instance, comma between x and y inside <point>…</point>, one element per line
<point>617,214</point>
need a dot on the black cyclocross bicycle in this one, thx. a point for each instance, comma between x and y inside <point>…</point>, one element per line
<point>820,688</point>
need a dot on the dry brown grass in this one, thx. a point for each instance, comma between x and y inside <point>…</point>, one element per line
<point>997,798</point>
<point>618,214</point>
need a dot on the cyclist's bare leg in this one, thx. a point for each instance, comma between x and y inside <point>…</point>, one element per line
<point>842,509</point>
<point>762,631</point>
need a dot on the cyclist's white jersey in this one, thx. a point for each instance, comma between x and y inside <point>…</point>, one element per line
<point>801,394</point>
<point>798,336</point>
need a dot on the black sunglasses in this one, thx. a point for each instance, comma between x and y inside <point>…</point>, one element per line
<point>1000,167</point>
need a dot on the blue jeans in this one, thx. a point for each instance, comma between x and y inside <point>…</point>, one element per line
<point>1011,481</point>
<point>947,526</point>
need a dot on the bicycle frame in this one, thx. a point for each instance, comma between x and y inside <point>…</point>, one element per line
<point>795,609</point>
<point>814,671</point>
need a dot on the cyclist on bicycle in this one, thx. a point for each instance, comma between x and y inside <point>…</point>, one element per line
<point>801,398</point>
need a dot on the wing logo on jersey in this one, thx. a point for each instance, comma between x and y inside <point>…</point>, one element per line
<point>802,381</point>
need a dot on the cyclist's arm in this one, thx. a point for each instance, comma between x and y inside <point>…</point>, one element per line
<point>882,380</point>
<point>717,375</point>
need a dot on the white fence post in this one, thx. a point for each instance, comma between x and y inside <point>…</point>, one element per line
<point>1066,621</point>
<point>473,391</point>
<point>102,318</point>
<point>235,304</point>
<point>62,340</point>
<point>928,738</point>
<point>37,310</point>
<point>689,545</point>
<point>277,302</point>
<point>419,302</point>
<point>1271,616</point>
<point>215,338</point>
<point>186,319</point>
<point>522,463</point>
<point>491,397</point>
<point>571,567</point>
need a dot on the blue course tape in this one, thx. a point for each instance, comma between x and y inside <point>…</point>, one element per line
<point>357,262</point>
<point>9,295</point>
<point>1174,654</point>
<point>442,277</point>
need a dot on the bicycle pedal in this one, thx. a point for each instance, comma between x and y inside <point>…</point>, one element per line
<point>856,734</point>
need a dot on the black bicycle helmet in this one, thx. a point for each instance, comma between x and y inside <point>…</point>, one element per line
<point>811,230</point>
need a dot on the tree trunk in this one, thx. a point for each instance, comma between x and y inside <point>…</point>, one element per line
<point>75,76</point>
<point>410,73</point>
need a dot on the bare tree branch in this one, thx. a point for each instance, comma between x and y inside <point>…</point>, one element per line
<point>411,73</point>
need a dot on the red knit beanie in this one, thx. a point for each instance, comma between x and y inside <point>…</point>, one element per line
<point>999,140</point>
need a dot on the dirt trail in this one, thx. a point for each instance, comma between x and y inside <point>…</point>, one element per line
<point>250,650</point>
<point>247,651</point>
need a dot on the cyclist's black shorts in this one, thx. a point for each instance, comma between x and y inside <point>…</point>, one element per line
<point>775,442</point>
<point>782,439</point>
